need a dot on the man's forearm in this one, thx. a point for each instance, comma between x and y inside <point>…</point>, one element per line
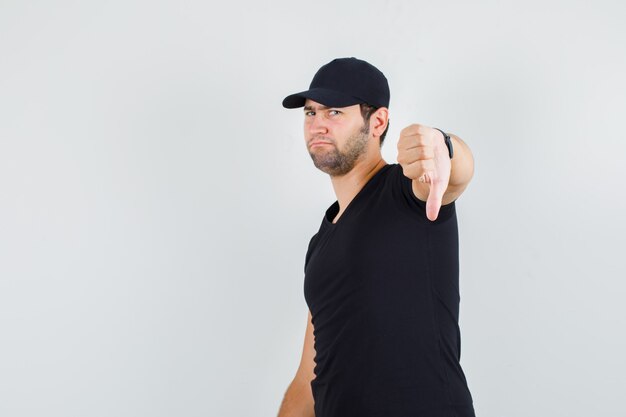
<point>298,401</point>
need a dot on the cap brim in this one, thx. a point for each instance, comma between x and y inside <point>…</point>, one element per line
<point>330,98</point>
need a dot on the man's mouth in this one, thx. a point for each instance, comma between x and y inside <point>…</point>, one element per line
<point>319,143</point>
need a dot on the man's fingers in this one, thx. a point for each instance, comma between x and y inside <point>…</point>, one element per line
<point>414,129</point>
<point>420,168</point>
<point>417,153</point>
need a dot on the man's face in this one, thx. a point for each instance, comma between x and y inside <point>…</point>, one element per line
<point>335,136</point>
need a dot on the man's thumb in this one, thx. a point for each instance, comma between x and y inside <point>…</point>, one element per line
<point>433,204</point>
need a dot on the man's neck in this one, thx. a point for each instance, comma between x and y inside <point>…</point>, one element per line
<point>348,186</point>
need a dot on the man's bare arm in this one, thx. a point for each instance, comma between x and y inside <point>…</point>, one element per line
<point>298,400</point>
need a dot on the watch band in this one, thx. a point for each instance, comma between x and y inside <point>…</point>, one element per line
<point>446,138</point>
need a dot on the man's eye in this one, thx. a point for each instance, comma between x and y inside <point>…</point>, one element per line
<point>334,112</point>
<point>309,113</point>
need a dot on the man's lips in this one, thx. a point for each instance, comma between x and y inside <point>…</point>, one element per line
<point>319,143</point>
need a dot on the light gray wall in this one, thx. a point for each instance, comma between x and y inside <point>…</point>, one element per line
<point>156,200</point>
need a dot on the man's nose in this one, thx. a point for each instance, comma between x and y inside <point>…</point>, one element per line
<point>317,125</point>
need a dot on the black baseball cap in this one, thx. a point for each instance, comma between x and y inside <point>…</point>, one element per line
<point>344,82</point>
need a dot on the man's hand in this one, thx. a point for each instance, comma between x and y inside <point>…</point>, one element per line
<point>423,155</point>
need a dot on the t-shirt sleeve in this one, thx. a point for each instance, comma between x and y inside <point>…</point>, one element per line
<point>409,201</point>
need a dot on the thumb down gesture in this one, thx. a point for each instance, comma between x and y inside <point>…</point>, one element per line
<point>424,157</point>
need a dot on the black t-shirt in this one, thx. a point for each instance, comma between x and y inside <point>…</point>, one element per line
<point>382,288</point>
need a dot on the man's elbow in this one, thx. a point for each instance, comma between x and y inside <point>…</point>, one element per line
<point>298,400</point>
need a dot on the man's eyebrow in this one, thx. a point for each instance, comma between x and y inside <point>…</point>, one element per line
<point>321,107</point>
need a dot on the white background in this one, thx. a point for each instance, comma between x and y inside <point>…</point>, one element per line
<point>156,200</point>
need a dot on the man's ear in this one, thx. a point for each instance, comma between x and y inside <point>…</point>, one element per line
<point>379,120</point>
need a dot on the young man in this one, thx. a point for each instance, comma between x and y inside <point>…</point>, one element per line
<point>381,273</point>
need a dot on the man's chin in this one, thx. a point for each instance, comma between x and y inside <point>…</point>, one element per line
<point>324,167</point>
<point>333,170</point>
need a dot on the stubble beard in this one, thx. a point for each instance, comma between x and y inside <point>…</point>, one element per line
<point>337,163</point>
